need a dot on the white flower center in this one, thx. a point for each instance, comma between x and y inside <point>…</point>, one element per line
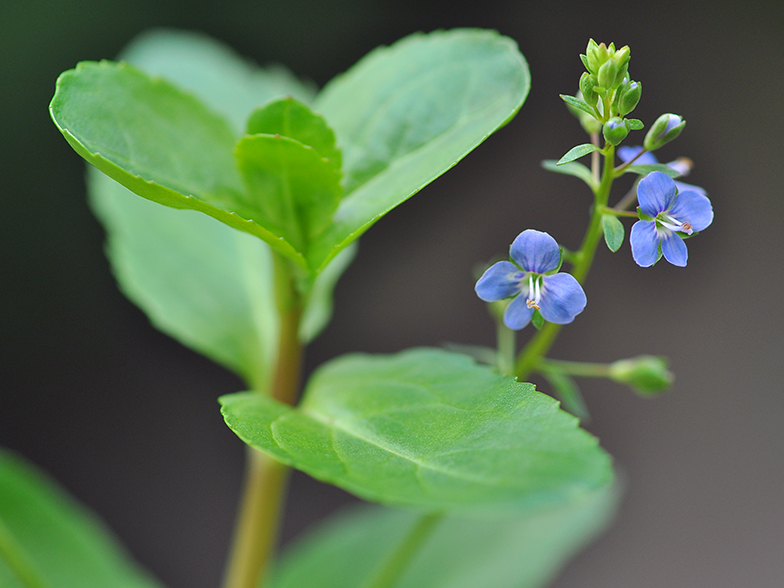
<point>534,291</point>
<point>670,222</point>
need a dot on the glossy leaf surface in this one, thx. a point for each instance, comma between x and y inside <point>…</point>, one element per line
<point>513,552</point>
<point>613,232</point>
<point>577,152</point>
<point>426,428</point>
<point>58,542</point>
<point>405,114</point>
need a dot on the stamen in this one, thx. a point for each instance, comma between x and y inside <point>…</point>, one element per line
<point>533,289</point>
<point>673,224</point>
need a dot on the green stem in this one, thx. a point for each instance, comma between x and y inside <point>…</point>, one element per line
<point>12,554</point>
<point>541,343</point>
<point>505,338</point>
<point>398,561</point>
<point>582,369</point>
<point>258,520</point>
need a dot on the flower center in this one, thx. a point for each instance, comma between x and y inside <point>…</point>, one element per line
<point>534,292</point>
<point>670,222</point>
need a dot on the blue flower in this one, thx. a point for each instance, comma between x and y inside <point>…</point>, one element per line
<point>531,279</point>
<point>672,214</point>
<point>681,165</point>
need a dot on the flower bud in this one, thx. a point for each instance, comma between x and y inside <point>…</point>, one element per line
<point>628,97</point>
<point>587,85</point>
<point>607,73</point>
<point>666,128</point>
<point>647,375</point>
<point>615,130</point>
<point>595,56</point>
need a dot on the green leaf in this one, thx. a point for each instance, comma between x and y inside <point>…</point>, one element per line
<point>568,393</point>
<point>158,141</point>
<point>573,168</point>
<point>429,429</point>
<point>577,152</point>
<point>577,103</point>
<point>512,552</point>
<point>52,541</point>
<point>405,114</point>
<point>646,168</point>
<point>634,124</point>
<point>613,232</point>
<point>291,118</point>
<point>198,280</point>
<point>291,189</point>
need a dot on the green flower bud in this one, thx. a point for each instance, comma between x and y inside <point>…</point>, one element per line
<point>647,375</point>
<point>628,97</point>
<point>595,56</point>
<point>587,85</point>
<point>607,74</point>
<point>615,130</point>
<point>666,128</point>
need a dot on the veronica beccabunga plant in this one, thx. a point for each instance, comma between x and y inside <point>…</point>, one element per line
<point>254,190</point>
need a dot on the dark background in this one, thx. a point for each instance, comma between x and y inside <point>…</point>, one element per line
<point>127,420</point>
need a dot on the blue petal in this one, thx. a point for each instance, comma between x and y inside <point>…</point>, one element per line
<point>535,251</point>
<point>655,193</point>
<point>674,250</point>
<point>693,208</point>
<point>690,188</point>
<point>562,298</point>
<point>518,314</point>
<point>645,243</point>
<point>627,153</point>
<point>500,281</point>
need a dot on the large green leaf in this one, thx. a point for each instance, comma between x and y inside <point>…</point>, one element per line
<point>426,428</point>
<point>405,114</point>
<point>157,140</point>
<point>508,552</point>
<point>200,281</point>
<point>54,542</point>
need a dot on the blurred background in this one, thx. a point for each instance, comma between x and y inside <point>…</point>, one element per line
<point>127,420</point>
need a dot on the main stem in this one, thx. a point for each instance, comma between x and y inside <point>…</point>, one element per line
<point>258,520</point>
<point>541,343</point>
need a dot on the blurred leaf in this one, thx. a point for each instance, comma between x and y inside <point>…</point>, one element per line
<point>577,103</point>
<point>646,168</point>
<point>290,118</point>
<point>405,114</point>
<point>568,393</point>
<point>60,542</point>
<point>508,552</point>
<point>426,428</point>
<point>573,168</point>
<point>203,283</point>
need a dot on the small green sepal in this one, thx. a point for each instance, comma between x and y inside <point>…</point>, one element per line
<point>642,215</point>
<point>647,375</point>
<point>666,128</point>
<point>577,152</point>
<point>537,320</point>
<point>613,232</point>
<point>634,124</point>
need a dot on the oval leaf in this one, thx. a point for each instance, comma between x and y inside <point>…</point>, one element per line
<point>59,542</point>
<point>513,552</point>
<point>426,428</point>
<point>577,152</point>
<point>405,114</point>
<point>573,168</point>
<point>613,232</point>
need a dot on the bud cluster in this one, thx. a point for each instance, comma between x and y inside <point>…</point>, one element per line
<point>608,94</point>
